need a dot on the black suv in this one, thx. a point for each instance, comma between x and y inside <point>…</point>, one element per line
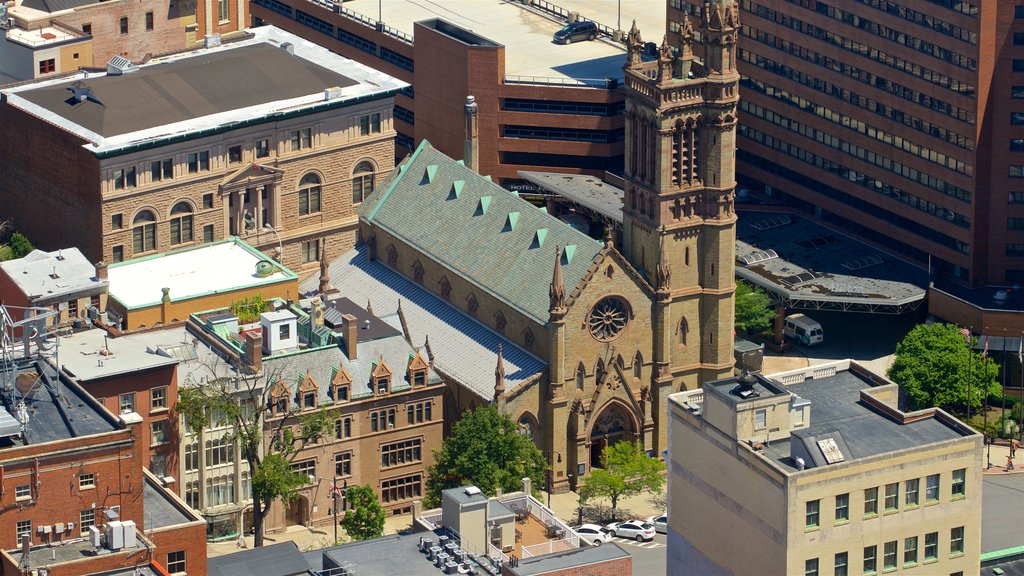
<point>573,31</point>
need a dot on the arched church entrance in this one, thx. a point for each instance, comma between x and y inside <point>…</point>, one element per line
<point>612,425</point>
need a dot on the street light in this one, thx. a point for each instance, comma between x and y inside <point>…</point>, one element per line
<point>338,494</point>
<point>280,247</point>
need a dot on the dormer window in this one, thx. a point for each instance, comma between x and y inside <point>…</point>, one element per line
<point>279,399</point>
<point>383,386</point>
<point>381,377</point>
<point>340,383</point>
<point>307,392</point>
<point>417,370</point>
<point>419,378</point>
<point>341,393</point>
<point>309,400</point>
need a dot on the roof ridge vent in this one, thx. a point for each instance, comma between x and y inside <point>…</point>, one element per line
<point>510,221</point>
<point>118,65</point>
<point>429,174</point>
<point>456,189</point>
<point>539,237</point>
<point>481,207</point>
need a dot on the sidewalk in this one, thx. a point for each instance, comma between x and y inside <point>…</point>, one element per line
<point>565,505</point>
<point>305,538</point>
<point>995,454</point>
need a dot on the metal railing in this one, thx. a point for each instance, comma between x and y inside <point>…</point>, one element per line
<point>556,10</point>
<point>601,83</point>
<point>551,546</point>
<point>365,20</point>
<point>543,515</point>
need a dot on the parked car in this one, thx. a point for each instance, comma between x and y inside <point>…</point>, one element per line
<point>575,31</point>
<point>660,523</point>
<point>638,529</point>
<point>593,534</point>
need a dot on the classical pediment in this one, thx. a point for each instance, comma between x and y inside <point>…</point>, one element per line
<point>252,174</point>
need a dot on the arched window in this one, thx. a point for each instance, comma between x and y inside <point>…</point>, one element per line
<point>392,256</point>
<point>362,182</point>
<point>309,194</point>
<point>599,372</point>
<point>500,322</point>
<point>446,288</point>
<point>472,305</point>
<point>684,328</point>
<point>417,272</point>
<point>528,339</point>
<point>580,376</point>
<point>181,223</point>
<point>638,366</point>
<point>527,425</point>
<point>144,232</point>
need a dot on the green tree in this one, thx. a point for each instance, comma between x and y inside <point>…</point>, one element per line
<point>626,470</point>
<point>753,308</point>
<point>935,365</point>
<point>241,400</point>
<point>364,518</point>
<point>487,450</point>
<point>20,246</point>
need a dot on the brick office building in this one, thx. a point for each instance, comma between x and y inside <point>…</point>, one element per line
<point>53,37</point>
<point>541,106</point>
<point>897,122</point>
<point>170,155</point>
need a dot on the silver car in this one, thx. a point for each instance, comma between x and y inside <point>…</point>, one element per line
<point>593,534</point>
<point>638,529</point>
<point>660,523</point>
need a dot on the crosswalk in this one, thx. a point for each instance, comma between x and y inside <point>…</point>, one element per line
<point>653,544</point>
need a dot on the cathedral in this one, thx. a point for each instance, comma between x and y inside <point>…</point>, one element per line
<point>588,338</point>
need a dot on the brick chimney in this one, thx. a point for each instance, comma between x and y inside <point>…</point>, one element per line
<point>350,332</point>
<point>101,271</point>
<point>471,147</point>
<point>254,351</point>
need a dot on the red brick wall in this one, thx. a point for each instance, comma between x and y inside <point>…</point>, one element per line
<point>619,567</point>
<point>191,538</point>
<point>167,35</point>
<point>108,390</point>
<point>46,171</point>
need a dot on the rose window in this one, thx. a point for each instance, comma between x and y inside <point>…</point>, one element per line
<point>607,319</point>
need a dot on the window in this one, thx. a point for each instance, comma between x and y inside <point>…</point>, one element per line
<point>401,453</point>
<point>1017,92</point>
<point>1018,11</point>
<point>144,232</point>
<point>263,148</point>
<point>910,550</point>
<point>369,124</point>
<point>126,402</point>
<point>176,561</point>
<point>161,169</point>
<point>86,481</point>
<point>301,139</point>
<point>158,398</point>
<point>418,413</point>
<point>124,24</point>
<point>343,428</point>
<point>24,528</point>
<point>811,567</point>
<point>310,251</point>
<point>284,332</point>
<point>870,559</point>
<point>1016,144</point>
<point>220,490</point>
<point>192,494</point>
<point>124,178</point>
<point>912,490</point>
<point>811,514</point>
<point>842,508</point>
<point>760,419</point>
<point>399,489</point>
<point>892,497</point>
<point>959,483</point>
<point>158,433</point>
<point>22,491</point>
<point>47,66</point>
<point>181,223</point>
<point>341,393</point>
<point>362,182</point>
<point>841,561</point>
<point>192,457</point>
<point>208,233</point>
<point>931,546</point>
<point>234,154</point>
<point>889,556</point>
<point>116,221</point>
<point>931,490</point>
<point>87,28</point>
<point>86,518</point>
<point>309,400</point>
<point>343,464</point>
<point>956,541</point>
<point>149,21</point>
<point>1016,118</point>
<point>117,254</point>
<point>871,502</point>
<point>306,468</point>
<point>197,161</point>
<point>382,420</point>
<point>1018,65</point>
<point>222,10</point>
<point>218,452</point>
<point>309,194</point>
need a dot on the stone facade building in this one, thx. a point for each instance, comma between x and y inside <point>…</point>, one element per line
<point>169,154</point>
<point>600,346</point>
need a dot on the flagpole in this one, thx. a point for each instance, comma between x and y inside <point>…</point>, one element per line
<point>1002,394</point>
<point>984,391</point>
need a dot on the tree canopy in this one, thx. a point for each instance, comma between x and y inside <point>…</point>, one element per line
<point>626,470</point>
<point>487,450</point>
<point>753,308</point>
<point>364,517</point>
<point>20,246</point>
<point>934,364</point>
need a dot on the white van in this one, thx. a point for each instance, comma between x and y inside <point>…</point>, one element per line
<point>803,329</point>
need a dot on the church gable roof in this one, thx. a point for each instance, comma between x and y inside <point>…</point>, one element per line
<point>468,231</point>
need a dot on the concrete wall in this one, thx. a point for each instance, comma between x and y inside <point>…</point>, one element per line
<point>18,61</point>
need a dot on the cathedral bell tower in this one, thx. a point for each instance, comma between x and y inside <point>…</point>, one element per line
<point>679,226</point>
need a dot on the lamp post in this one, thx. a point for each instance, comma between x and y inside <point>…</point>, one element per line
<point>280,246</point>
<point>551,473</point>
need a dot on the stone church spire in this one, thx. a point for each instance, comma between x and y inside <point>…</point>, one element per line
<point>499,375</point>
<point>556,292</point>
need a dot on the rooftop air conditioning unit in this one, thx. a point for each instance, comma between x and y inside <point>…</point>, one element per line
<point>95,537</point>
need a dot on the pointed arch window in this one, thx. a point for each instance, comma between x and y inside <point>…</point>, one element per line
<point>528,339</point>
<point>417,272</point>
<point>446,288</point>
<point>500,322</point>
<point>684,329</point>
<point>144,232</point>
<point>472,306</point>
<point>309,194</point>
<point>392,256</point>
<point>599,372</point>
<point>181,223</point>
<point>638,366</point>
<point>580,377</point>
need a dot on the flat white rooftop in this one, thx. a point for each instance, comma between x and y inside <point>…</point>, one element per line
<point>526,33</point>
<point>39,37</point>
<point>210,269</point>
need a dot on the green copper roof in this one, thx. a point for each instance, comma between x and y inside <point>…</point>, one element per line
<point>479,231</point>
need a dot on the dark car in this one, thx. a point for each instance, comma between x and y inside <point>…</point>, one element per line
<point>574,31</point>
